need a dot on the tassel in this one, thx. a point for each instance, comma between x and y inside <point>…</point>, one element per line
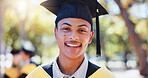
<point>98,47</point>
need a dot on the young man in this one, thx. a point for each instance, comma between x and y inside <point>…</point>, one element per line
<point>73,33</point>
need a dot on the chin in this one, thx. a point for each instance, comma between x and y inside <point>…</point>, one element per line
<point>74,55</point>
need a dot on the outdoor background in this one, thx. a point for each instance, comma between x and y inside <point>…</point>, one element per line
<point>124,35</point>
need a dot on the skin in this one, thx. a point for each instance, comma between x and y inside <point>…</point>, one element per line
<point>73,36</point>
<point>24,56</point>
<point>16,59</point>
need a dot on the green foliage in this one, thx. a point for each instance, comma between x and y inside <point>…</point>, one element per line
<point>142,28</point>
<point>11,29</point>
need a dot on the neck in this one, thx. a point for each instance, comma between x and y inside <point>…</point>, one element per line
<point>69,66</point>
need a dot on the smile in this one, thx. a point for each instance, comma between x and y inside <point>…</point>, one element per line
<point>71,44</point>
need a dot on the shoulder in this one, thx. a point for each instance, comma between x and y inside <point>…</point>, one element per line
<point>48,66</point>
<point>91,69</point>
<point>98,72</point>
<point>39,72</point>
<point>103,72</point>
<point>11,72</point>
<point>34,63</point>
<point>48,69</point>
<point>93,66</point>
<point>95,71</point>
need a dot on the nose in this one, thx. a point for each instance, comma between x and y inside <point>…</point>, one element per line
<point>74,36</point>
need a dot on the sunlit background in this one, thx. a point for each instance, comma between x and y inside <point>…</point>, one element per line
<point>26,20</point>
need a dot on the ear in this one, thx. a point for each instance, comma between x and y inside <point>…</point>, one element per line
<point>55,32</point>
<point>91,36</point>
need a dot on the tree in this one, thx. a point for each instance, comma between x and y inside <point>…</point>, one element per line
<point>134,38</point>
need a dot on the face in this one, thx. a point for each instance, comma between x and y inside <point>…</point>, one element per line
<point>73,35</point>
<point>24,56</point>
<point>16,59</point>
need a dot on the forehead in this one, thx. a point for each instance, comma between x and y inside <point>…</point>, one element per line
<point>74,22</point>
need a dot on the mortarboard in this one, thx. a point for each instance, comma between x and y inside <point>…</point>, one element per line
<point>28,48</point>
<point>15,52</point>
<point>84,9</point>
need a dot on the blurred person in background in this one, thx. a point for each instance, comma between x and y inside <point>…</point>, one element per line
<point>13,72</point>
<point>73,32</point>
<point>28,50</point>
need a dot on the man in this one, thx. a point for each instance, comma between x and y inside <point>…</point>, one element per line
<point>27,52</point>
<point>13,72</point>
<point>73,33</point>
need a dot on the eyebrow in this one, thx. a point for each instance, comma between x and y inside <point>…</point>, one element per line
<point>78,26</point>
<point>66,24</point>
<point>83,25</point>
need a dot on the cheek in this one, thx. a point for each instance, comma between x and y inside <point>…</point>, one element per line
<point>60,33</point>
<point>60,39</point>
<point>61,36</point>
<point>85,40</point>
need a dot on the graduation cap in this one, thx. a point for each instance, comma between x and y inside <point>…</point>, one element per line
<point>84,9</point>
<point>15,52</point>
<point>28,48</point>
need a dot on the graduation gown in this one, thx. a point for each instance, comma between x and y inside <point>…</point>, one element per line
<point>93,71</point>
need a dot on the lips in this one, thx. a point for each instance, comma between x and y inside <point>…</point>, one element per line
<point>73,44</point>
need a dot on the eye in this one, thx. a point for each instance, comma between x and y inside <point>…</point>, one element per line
<point>82,31</point>
<point>65,29</point>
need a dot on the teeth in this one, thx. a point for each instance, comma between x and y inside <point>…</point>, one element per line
<point>73,45</point>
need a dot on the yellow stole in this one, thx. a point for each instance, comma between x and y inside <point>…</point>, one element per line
<point>39,72</point>
<point>12,72</point>
<point>103,72</point>
<point>28,68</point>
